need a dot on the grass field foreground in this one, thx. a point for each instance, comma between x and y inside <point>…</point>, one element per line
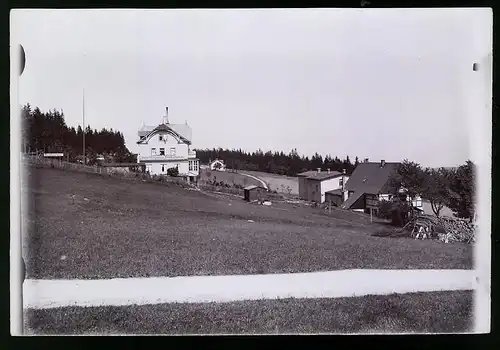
<point>435,312</point>
<point>87,226</point>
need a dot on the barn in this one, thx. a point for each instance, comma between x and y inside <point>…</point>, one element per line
<point>254,193</point>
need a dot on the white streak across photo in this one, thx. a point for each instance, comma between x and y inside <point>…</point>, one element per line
<point>258,171</point>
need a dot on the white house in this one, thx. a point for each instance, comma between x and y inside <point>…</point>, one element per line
<point>313,185</point>
<point>217,165</point>
<point>167,146</point>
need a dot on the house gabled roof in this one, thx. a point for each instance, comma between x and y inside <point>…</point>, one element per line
<point>351,200</point>
<point>162,127</point>
<point>324,175</point>
<point>368,178</point>
<point>216,161</point>
<point>336,192</point>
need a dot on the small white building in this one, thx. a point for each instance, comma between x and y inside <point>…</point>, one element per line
<point>167,146</point>
<point>313,185</point>
<point>217,165</point>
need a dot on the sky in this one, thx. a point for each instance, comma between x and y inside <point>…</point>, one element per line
<point>386,84</point>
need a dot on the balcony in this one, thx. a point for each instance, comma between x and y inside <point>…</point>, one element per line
<point>159,158</point>
<point>191,154</point>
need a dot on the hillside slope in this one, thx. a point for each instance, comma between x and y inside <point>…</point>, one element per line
<point>86,226</point>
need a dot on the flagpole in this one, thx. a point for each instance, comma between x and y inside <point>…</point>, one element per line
<point>83,111</point>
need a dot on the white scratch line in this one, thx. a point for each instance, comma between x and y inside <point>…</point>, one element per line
<point>40,294</point>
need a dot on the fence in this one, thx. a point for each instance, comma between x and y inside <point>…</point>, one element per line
<point>39,161</point>
<point>230,190</point>
<point>240,192</point>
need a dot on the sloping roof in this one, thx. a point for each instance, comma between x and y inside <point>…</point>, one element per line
<point>337,192</point>
<point>165,127</point>
<point>216,161</point>
<point>182,129</point>
<point>352,199</point>
<point>370,177</point>
<point>314,175</point>
<point>145,130</point>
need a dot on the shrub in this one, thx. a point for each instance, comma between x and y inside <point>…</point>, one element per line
<point>399,213</point>
<point>385,209</point>
<point>173,172</point>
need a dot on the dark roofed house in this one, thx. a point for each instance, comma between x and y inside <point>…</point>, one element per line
<point>253,193</point>
<point>314,184</point>
<point>369,180</point>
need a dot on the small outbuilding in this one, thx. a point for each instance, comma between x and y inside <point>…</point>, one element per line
<point>217,165</point>
<point>254,193</point>
<point>335,197</point>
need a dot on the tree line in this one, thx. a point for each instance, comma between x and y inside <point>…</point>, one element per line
<point>451,187</point>
<point>48,132</point>
<point>280,163</point>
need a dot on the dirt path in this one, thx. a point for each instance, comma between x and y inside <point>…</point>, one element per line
<point>264,184</point>
<point>43,294</point>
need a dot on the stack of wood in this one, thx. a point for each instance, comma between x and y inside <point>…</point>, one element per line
<point>445,229</point>
<point>458,230</point>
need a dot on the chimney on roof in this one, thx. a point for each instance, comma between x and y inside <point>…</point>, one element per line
<point>366,160</point>
<point>319,170</point>
<point>382,163</point>
<point>165,118</point>
<point>328,170</point>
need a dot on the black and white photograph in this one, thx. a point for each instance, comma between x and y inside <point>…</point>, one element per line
<point>250,171</point>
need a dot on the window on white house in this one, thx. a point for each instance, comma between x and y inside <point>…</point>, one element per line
<point>160,137</point>
<point>190,166</point>
<point>341,181</point>
<point>162,168</point>
<point>153,151</point>
<point>195,165</point>
<point>162,151</point>
<point>172,151</point>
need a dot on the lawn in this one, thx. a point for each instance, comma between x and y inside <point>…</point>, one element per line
<point>436,312</point>
<point>88,226</point>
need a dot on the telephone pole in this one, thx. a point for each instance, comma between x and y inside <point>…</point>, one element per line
<point>83,122</point>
